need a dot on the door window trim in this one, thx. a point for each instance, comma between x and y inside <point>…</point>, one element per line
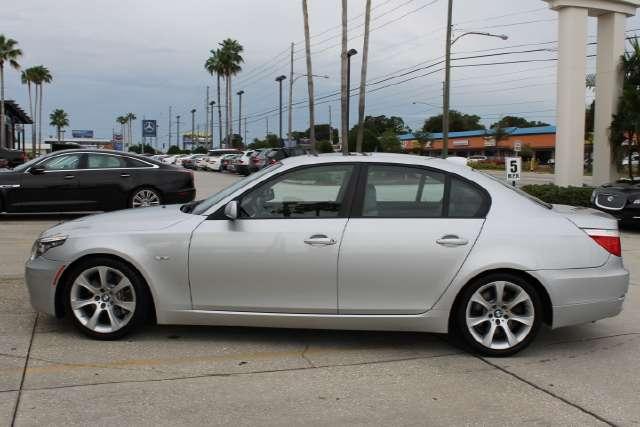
<point>358,202</point>
<point>345,209</point>
<point>84,162</point>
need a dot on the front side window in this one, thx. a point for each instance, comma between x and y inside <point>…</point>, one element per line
<point>403,192</point>
<point>314,192</point>
<point>60,163</point>
<point>103,161</point>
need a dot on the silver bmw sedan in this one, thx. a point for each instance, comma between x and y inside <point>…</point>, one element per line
<point>371,242</point>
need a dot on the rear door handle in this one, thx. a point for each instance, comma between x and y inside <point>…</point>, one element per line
<point>451,240</point>
<point>69,176</point>
<point>320,240</point>
<point>125,175</point>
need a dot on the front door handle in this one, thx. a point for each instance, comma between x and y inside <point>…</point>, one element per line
<point>451,240</point>
<point>320,240</point>
<point>69,176</point>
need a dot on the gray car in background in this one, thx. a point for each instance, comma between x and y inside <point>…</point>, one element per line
<point>371,242</point>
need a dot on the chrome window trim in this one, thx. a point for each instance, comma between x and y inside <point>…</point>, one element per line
<point>151,165</point>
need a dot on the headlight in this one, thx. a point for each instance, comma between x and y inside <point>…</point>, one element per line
<point>43,244</point>
<point>636,202</point>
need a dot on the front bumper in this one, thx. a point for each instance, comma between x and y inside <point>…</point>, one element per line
<point>585,295</point>
<point>41,276</point>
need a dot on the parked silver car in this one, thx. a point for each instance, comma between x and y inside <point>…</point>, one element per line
<point>373,242</point>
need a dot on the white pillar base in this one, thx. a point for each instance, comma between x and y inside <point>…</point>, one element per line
<point>608,89</point>
<point>572,68</point>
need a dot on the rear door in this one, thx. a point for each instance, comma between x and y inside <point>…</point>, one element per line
<point>409,236</point>
<point>106,181</point>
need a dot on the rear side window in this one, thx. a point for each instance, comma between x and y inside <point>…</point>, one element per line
<point>465,200</point>
<point>103,161</point>
<point>403,192</point>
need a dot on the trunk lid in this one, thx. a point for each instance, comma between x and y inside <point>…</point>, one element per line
<point>587,218</point>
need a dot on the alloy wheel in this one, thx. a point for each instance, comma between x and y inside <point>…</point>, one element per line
<point>500,315</point>
<point>102,299</point>
<point>145,198</point>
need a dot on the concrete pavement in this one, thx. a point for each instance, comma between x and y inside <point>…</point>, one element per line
<point>173,375</point>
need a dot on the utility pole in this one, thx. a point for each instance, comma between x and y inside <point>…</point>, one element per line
<point>363,79</point>
<point>169,137</point>
<point>447,85</point>
<point>279,79</point>
<point>178,133</point>
<point>240,93</point>
<point>307,46</point>
<point>344,95</point>
<point>290,97</point>
<point>211,104</point>
<point>350,53</point>
<point>193,128</point>
<point>206,116</point>
<point>330,130</point>
<point>245,133</point>
<point>267,119</point>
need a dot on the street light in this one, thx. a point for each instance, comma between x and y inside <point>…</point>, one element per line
<point>279,79</point>
<point>350,53</point>
<point>193,128</point>
<point>291,82</point>
<point>447,75</point>
<point>211,104</point>
<point>240,93</point>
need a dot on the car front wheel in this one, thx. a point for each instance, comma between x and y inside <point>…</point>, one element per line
<point>106,298</point>
<point>498,315</point>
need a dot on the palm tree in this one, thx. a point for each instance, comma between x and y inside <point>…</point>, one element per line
<point>344,96</point>
<point>60,119</point>
<point>10,54</point>
<point>41,76</point>
<point>122,120</point>
<point>28,77</point>
<point>307,48</point>
<point>130,118</point>
<point>363,78</point>
<point>230,59</point>
<point>214,66</point>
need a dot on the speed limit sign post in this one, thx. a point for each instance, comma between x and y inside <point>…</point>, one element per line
<point>513,169</point>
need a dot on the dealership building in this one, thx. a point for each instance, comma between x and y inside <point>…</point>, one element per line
<point>541,140</point>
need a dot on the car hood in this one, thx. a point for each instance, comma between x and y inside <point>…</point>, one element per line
<point>128,220</point>
<point>626,187</point>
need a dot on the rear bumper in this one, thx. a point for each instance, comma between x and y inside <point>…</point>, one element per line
<point>585,294</point>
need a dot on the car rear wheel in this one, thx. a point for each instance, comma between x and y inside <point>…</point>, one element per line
<point>498,315</point>
<point>144,197</point>
<point>106,298</point>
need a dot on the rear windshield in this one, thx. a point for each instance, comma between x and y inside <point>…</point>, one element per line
<point>520,192</point>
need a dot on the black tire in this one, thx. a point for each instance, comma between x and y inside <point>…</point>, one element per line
<point>462,333</point>
<point>134,193</point>
<point>142,297</point>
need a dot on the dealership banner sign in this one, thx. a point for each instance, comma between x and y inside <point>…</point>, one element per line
<point>149,129</point>
<point>82,133</point>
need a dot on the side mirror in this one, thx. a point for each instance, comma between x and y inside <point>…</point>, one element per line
<point>231,210</point>
<point>36,170</point>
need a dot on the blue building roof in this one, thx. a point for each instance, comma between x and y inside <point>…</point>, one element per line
<point>468,134</point>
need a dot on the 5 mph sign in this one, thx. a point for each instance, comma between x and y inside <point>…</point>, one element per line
<point>514,168</point>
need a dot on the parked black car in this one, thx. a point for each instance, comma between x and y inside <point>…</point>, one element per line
<point>92,180</point>
<point>13,157</point>
<point>620,199</point>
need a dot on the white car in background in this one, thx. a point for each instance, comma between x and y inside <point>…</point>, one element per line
<point>243,163</point>
<point>213,159</point>
<point>169,160</point>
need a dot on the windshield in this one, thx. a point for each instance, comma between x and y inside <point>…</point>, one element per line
<point>206,204</point>
<point>23,167</point>
<point>520,192</point>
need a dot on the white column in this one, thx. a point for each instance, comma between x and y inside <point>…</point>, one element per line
<point>608,88</point>
<point>572,67</point>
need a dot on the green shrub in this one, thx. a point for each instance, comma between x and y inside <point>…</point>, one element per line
<point>550,193</point>
<point>487,165</point>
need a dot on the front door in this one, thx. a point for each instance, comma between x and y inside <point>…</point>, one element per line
<point>407,240</point>
<point>281,254</point>
<point>53,190</point>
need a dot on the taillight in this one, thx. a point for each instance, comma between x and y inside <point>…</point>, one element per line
<point>608,239</point>
<point>272,161</point>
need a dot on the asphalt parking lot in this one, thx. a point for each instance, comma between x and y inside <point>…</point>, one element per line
<point>165,375</point>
